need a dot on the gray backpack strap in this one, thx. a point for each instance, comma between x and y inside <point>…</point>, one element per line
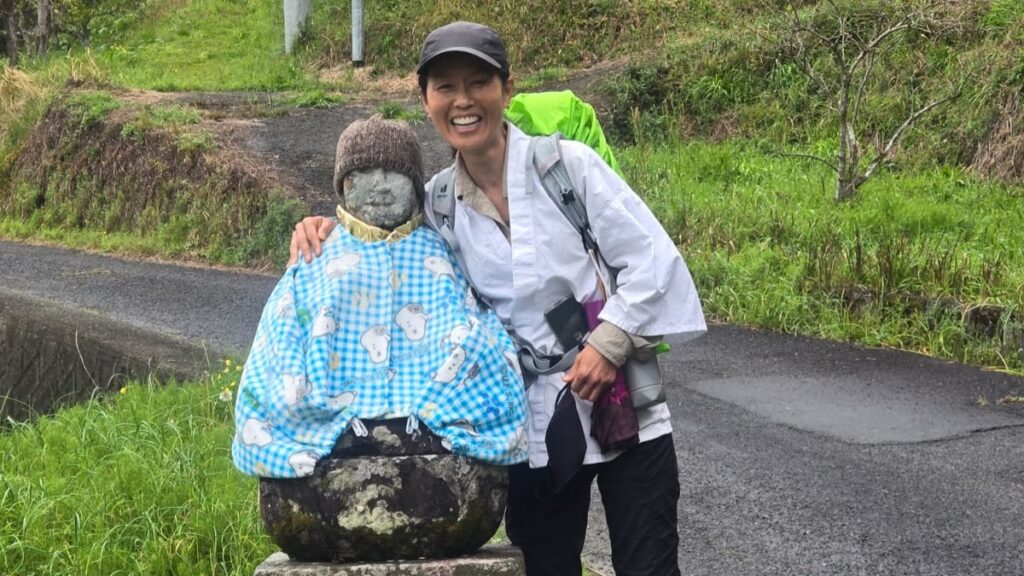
<point>554,176</point>
<point>441,215</point>
<point>535,365</point>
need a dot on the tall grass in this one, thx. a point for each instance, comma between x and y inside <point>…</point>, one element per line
<point>538,34</point>
<point>768,247</point>
<point>140,482</point>
<point>206,45</point>
<point>22,100</point>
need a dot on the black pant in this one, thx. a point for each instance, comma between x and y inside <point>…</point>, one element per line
<point>640,492</point>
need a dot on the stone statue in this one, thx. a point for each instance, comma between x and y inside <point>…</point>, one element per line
<point>379,403</point>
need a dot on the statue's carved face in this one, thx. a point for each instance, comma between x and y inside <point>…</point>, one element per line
<point>380,197</point>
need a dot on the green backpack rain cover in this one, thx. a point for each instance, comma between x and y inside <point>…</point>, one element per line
<point>543,113</point>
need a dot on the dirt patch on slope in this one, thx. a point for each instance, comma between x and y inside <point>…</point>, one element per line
<point>1001,154</point>
<point>297,144</point>
<point>217,177</point>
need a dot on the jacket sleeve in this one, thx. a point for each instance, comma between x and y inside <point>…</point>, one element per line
<point>656,295</point>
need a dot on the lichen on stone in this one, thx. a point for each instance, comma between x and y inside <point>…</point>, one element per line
<point>384,436</point>
<point>377,519</point>
<point>367,470</point>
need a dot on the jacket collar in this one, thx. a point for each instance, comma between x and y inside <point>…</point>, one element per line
<point>370,233</point>
<point>515,161</point>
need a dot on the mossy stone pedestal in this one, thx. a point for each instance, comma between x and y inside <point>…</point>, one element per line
<point>390,496</point>
<point>489,561</point>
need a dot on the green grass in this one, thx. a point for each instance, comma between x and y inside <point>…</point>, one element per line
<point>768,246</point>
<point>399,111</point>
<point>543,76</point>
<point>175,237</point>
<point>315,99</point>
<point>195,142</point>
<point>90,107</point>
<point>137,482</point>
<point>538,34</point>
<point>206,45</point>
<point>155,244</point>
<point>172,118</point>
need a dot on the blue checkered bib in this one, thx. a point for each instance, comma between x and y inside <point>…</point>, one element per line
<point>373,330</point>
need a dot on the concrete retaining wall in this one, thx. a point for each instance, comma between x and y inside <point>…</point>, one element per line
<point>53,356</point>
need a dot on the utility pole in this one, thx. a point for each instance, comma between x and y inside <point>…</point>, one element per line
<point>357,33</point>
<point>296,13</point>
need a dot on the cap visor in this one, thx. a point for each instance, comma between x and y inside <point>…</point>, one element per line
<point>458,49</point>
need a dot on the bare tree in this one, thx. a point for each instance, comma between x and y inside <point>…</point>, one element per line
<point>10,30</point>
<point>43,25</point>
<point>853,36</point>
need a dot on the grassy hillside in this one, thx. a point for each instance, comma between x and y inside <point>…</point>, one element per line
<point>98,170</point>
<point>704,104</point>
<point>931,261</point>
<point>693,68</point>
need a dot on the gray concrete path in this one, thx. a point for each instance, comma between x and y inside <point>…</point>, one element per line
<point>797,456</point>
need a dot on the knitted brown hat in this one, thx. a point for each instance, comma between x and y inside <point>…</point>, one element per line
<point>378,143</point>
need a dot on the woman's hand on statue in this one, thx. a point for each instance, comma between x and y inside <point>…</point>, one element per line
<point>308,235</point>
<point>590,375</point>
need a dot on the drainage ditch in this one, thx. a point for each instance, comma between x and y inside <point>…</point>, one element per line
<point>52,356</point>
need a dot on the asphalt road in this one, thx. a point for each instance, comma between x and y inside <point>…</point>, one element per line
<point>797,456</point>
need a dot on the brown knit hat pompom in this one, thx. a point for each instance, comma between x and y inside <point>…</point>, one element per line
<point>378,143</point>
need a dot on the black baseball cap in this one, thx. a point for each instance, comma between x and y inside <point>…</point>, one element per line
<point>468,38</point>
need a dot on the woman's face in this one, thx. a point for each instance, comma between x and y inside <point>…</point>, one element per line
<point>466,101</point>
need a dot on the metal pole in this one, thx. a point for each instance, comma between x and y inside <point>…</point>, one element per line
<point>296,13</point>
<point>357,33</point>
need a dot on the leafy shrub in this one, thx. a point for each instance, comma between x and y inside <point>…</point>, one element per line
<point>89,107</point>
<point>315,99</point>
<point>399,111</point>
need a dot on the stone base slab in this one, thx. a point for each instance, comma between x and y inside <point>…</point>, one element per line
<point>501,560</point>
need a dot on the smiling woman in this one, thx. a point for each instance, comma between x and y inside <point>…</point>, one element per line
<point>465,100</point>
<point>524,258</point>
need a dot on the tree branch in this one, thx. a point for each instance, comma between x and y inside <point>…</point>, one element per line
<point>810,157</point>
<point>860,88</point>
<point>894,139</point>
<point>903,24</point>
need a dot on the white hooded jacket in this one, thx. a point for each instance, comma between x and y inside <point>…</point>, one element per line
<point>546,261</point>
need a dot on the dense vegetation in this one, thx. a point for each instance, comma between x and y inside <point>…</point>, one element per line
<point>705,101</point>
<point>137,483</point>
